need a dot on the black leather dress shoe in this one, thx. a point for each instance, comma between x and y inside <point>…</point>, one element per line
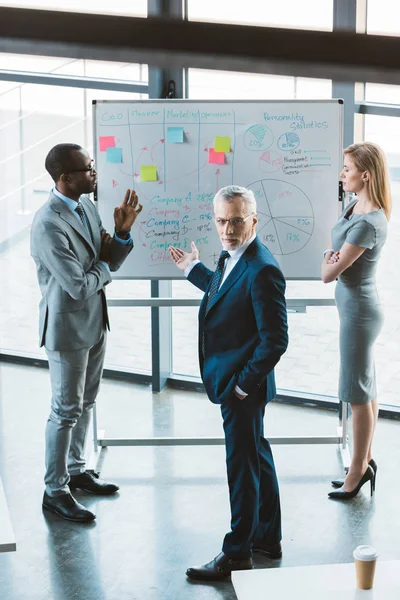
<point>219,568</point>
<point>67,507</point>
<point>274,551</point>
<point>90,482</point>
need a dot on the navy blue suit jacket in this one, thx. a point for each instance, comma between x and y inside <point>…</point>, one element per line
<point>245,328</point>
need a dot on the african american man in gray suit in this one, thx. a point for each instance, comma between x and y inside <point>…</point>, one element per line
<point>74,259</point>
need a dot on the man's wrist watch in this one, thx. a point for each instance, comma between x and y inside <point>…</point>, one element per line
<point>122,234</point>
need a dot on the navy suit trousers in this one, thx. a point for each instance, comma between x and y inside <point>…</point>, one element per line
<point>253,485</point>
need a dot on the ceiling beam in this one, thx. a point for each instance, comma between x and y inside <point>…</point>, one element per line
<point>340,55</point>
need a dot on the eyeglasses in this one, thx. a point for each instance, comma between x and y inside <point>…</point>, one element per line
<point>89,169</point>
<point>235,221</point>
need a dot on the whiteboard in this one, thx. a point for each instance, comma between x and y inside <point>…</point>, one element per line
<point>177,153</point>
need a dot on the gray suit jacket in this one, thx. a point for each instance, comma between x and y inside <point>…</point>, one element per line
<point>73,310</point>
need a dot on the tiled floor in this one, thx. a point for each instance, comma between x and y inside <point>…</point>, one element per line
<point>172,510</point>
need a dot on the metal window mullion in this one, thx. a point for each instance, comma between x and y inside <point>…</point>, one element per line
<point>74,81</point>
<point>345,18</point>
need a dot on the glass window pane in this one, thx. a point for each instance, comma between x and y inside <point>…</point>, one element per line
<point>113,70</point>
<point>382,130</point>
<point>311,363</point>
<point>137,8</point>
<point>215,85</point>
<point>309,14</point>
<point>312,89</point>
<point>185,341</point>
<point>129,341</point>
<point>383,16</point>
<point>384,94</point>
<point>131,72</point>
<point>218,85</point>
<point>185,359</point>
<point>34,118</point>
<point>28,62</point>
<point>20,298</point>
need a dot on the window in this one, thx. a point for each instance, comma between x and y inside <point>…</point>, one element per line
<point>138,8</point>
<point>309,14</point>
<point>383,17</point>
<point>130,72</point>
<point>33,118</point>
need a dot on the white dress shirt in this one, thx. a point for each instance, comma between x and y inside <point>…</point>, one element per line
<point>230,263</point>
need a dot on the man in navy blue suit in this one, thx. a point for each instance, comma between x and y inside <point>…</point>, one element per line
<point>242,335</point>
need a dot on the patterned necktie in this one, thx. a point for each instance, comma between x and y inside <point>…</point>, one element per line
<point>82,215</point>
<point>216,278</point>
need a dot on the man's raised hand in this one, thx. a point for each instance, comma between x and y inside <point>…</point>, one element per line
<point>125,214</point>
<point>183,259</point>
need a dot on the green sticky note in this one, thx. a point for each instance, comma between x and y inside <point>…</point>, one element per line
<point>148,173</point>
<point>222,144</point>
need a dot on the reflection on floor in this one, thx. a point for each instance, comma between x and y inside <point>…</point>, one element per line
<point>172,510</point>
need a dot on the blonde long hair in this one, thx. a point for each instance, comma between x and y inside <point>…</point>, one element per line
<point>370,157</point>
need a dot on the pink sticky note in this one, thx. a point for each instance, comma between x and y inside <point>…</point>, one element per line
<point>106,141</point>
<point>216,158</point>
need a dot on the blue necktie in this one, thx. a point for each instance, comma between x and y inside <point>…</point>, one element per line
<point>82,215</point>
<point>216,278</point>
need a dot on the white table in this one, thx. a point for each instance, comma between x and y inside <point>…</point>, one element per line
<point>325,582</point>
<point>7,539</point>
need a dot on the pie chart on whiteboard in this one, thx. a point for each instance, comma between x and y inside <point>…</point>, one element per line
<point>270,161</point>
<point>285,216</point>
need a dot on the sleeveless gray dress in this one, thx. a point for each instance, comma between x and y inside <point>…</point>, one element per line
<point>358,303</point>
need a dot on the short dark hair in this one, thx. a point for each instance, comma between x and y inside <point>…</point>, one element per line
<point>59,160</point>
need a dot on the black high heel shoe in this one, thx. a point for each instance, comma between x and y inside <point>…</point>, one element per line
<point>343,495</point>
<point>337,483</point>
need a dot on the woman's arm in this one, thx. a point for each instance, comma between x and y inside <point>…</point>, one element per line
<point>335,263</point>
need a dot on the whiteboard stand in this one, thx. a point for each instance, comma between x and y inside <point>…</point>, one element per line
<point>100,441</point>
<point>177,154</point>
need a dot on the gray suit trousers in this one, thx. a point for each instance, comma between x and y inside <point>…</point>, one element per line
<point>75,380</point>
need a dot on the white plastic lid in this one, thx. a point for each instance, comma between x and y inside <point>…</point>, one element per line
<point>365,553</point>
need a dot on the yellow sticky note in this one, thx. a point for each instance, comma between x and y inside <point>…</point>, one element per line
<point>148,173</point>
<point>222,144</point>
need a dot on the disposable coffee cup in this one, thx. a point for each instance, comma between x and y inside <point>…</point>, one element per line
<point>365,562</point>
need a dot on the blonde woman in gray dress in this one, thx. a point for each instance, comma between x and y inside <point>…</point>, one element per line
<point>357,241</point>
